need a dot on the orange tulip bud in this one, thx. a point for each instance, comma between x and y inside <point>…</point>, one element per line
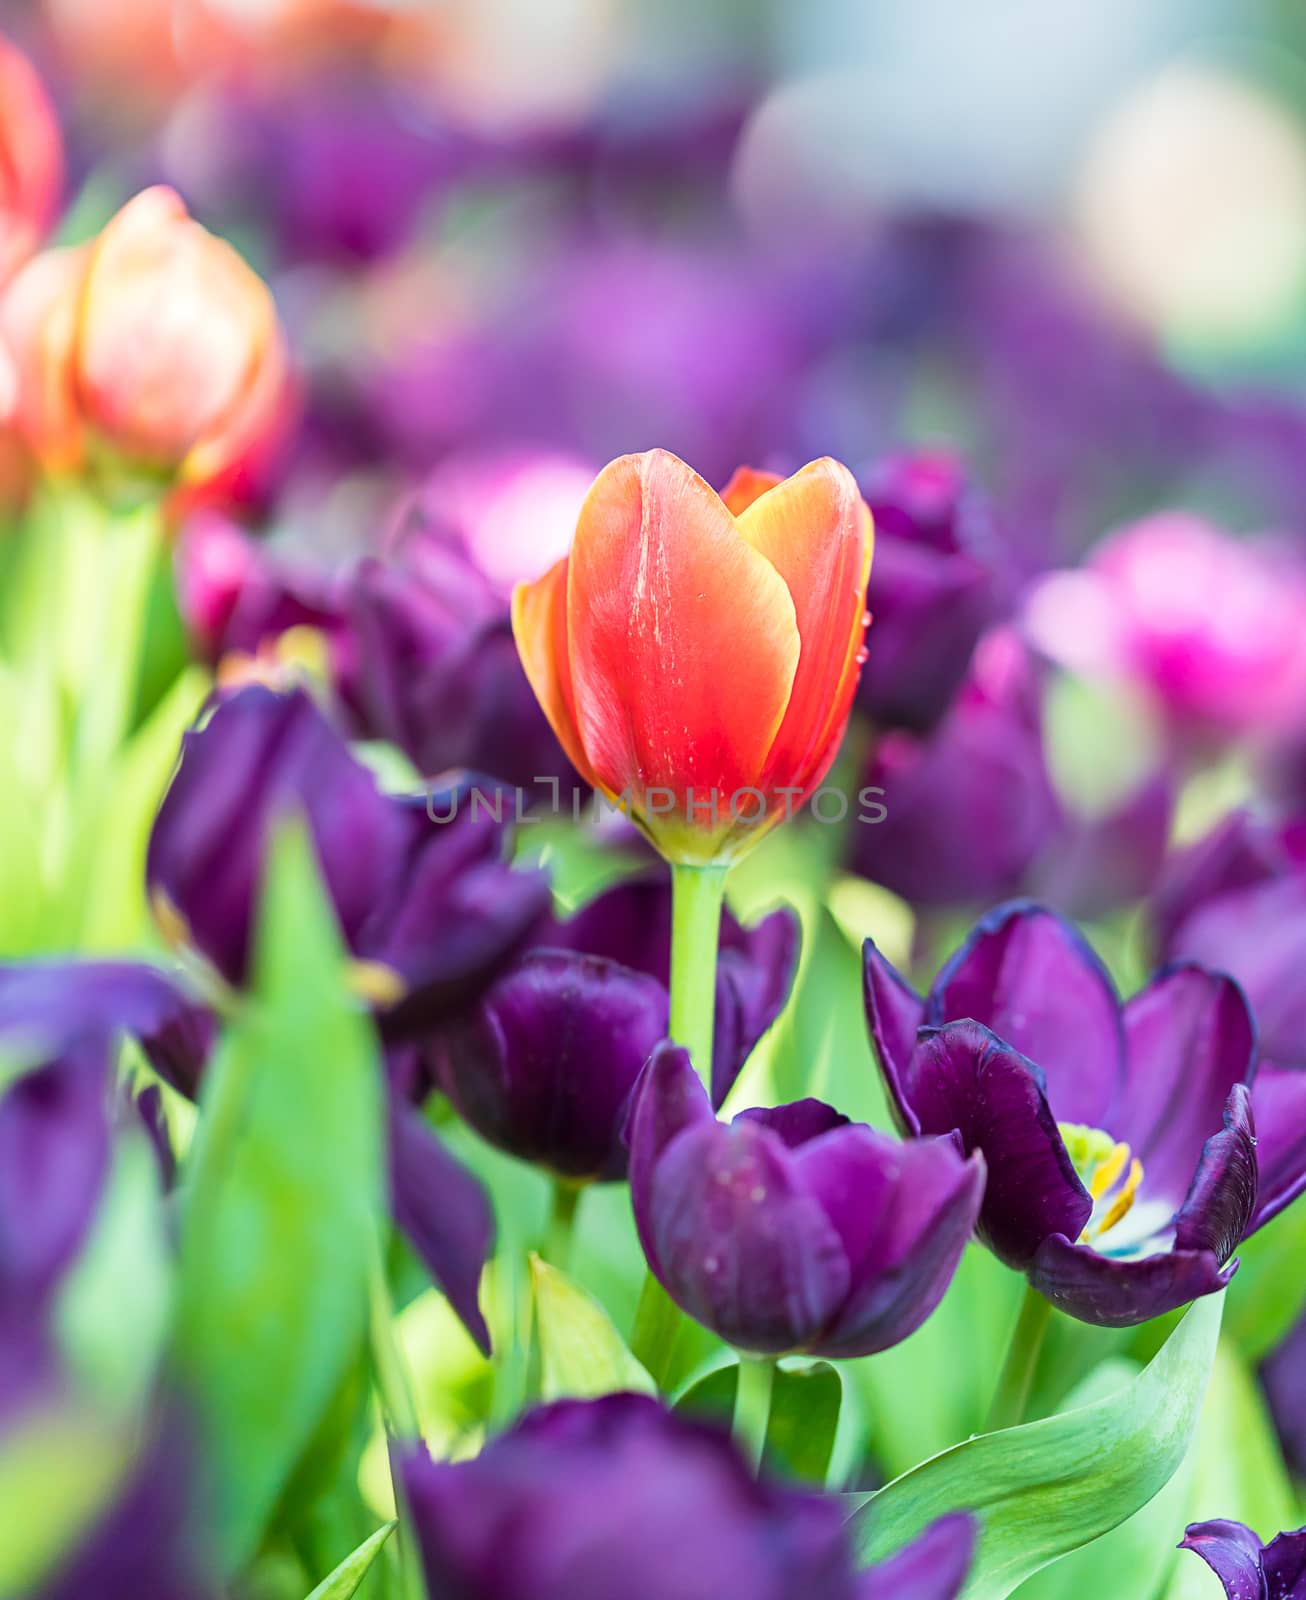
<point>152,351</point>
<point>697,657</point>
<point>31,160</point>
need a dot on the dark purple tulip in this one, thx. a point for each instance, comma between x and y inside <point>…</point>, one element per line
<point>45,1003</point>
<point>1097,864</point>
<point>1283,1375</point>
<point>544,1066</point>
<point>54,1157</point>
<point>1119,1144</point>
<point>584,1500</point>
<point>970,808</point>
<point>932,589</point>
<point>431,908</point>
<point>793,1229</point>
<point>1237,900</point>
<point>1248,1569</point>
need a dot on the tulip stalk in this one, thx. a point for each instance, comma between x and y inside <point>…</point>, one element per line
<point>1011,1398</point>
<point>753,1389</point>
<point>697,896</point>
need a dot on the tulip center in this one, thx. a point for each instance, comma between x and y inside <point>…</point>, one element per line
<point>1110,1172</point>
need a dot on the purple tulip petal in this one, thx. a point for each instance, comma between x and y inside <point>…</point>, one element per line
<point>965,1078</point>
<point>1189,1038</point>
<point>1236,854</point>
<point>1222,1200</point>
<point>457,917</point>
<point>54,1154</point>
<point>1233,1553</point>
<point>798,1122</point>
<point>1028,975</point>
<point>444,1213</point>
<point>895,1013</point>
<point>1121,1294</point>
<point>904,1211</point>
<point>1258,936</point>
<point>728,1229</point>
<point>933,1567</point>
<point>1285,1566</point>
<point>755,973</point>
<point>545,1064</point>
<point>582,1500</point>
<point>1279,1106</point>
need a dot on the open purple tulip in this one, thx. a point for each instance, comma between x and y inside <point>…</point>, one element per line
<point>793,1229</point>
<point>583,1500</point>
<point>545,1064</point>
<point>1249,1569</point>
<point>430,910</point>
<point>932,588</point>
<point>1119,1141</point>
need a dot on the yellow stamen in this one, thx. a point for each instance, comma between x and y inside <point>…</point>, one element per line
<point>170,922</point>
<point>376,983</point>
<point>1108,1170</point>
<point>1123,1203</point>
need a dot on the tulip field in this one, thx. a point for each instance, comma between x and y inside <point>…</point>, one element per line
<point>652,800</point>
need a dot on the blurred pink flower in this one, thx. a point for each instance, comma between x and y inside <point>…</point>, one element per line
<point>1211,627</point>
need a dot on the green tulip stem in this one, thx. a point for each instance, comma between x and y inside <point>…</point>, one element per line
<point>697,895</point>
<point>1011,1399</point>
<point>400,1410</point>
<point>753,1389</point>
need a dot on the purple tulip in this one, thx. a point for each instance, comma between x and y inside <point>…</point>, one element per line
<point>425,656</point>
<point>1119,1141</point>
<point>544,1066</point>
<point>970,809</point>
<point>1237,900</point>
<point>793,1229</point>
<point>431,908</point>
<point>1249,1569</point>
<point>932,589</point>
<point>588,1499</point>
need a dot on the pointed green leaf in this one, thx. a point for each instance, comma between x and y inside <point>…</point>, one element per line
<point>344,1581</point>
<point>282,1205</point>
<point>581,1353</point>
<point>1045,1489</point>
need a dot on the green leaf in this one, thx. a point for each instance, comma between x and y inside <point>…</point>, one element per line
<point>1268,1292</point>
<point>282,1206</point>
<point>1236,1471</point>
<point>581,1353</point>
<point>1043,1490</point>
<point>112,892</point>
<point>344,1581</point>
<point>805,1403</point>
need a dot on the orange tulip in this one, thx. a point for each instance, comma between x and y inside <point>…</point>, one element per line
<point>154,350</point>
<point>31,160</point>
<point>697,655</point>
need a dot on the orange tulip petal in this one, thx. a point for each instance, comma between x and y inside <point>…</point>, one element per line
<point>684,640</point>
<point>746,485</point>
<point>38,322</point>
<point>815,530</point>
<point>174,325</point>
<point>539,625</point>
